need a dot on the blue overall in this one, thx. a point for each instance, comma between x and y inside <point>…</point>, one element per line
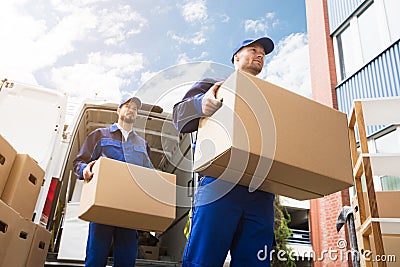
<point>238,221</point>
<point>107,142</point>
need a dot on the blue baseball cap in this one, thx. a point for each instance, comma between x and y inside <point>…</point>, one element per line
<point>267,43</point>
<point>134,99</point>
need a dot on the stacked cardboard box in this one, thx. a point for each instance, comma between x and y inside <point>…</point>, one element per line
<point>23,185</point>
<point>40,246</point>
<point>18,248</point>
<point>20,181</point>
<point>7,156</point>
<point>9,220</point>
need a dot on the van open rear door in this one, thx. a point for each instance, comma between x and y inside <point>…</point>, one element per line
<point>32,120</point>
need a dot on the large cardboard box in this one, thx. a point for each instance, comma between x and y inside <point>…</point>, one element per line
<point>23,185</point>
<point>129,196</point>
<point>39,247</point>
<point>18,248</point>
<point>269,138</point>
<point>7,156</point>
<point>9,219</point>
<point>386,201</point>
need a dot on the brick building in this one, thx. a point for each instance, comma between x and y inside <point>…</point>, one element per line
<point>354,53</point>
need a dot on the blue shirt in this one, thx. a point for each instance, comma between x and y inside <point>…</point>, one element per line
<point>187,113</point>
<point>108,142</point>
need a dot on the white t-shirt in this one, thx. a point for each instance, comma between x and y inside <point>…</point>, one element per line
<point>124,132</point>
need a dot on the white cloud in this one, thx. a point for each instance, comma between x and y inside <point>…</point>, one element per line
<point>31,44</point>
<point>289,68</point>
<point>146,76</point>
<point>70,6</point>
<point>35,44</point>
<point>184,58</point>
<point>162,9</point>
<point>168,86</point>
<point>118,24</point>
<point>225,18</point>
<point>101,77</point>
<point>194,10</point>
<point>196,38</point>
<point>262,25</point>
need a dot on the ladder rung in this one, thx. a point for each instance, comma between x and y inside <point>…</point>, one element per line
<point>358,168</point>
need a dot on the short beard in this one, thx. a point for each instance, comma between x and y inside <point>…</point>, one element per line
<point>253,70</point>
<point>127,120</point>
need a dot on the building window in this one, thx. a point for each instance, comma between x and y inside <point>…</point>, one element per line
<point>392,8</point>
<point>388,143</point>
<point>372,36</point>
<point>345,45</point>
<point>390,183</point>
<point>366,34</point>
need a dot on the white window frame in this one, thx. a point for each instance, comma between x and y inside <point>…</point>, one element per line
<point>353,27</point>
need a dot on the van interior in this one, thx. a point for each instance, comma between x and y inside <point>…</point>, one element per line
<point>170,152</point>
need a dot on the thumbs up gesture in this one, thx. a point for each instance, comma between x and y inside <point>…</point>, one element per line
<point>210,104</point>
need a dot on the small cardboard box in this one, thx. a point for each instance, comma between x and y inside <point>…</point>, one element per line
<point>39,247</point>
<point>385,201</point>
<point>23,185</point>
<point>9,219</point>
<point>129,196</point>
<point>151,252</point>
<point>269,138</point>
<point>7,156</point>
<point>18,248</point>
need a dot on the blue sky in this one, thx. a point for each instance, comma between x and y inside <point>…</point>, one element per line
<point>109,49</point>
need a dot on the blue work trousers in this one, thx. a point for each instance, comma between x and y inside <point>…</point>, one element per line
<point>227,217</point>
<point>99,242</point>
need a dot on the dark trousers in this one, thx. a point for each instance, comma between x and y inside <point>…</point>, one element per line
<point>99,242</point>
<point>227,217</point>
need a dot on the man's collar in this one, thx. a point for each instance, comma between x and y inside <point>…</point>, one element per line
<point>115,127</point>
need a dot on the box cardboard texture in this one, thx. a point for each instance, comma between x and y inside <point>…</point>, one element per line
<point>269,138</point>
<point>23,185</point>
<point>128,195</point>
<point>391,245</point>
<point>18,248</point>
<point>151,252</point>
<point>386,201</point>
<point>9,219</point>
<point>7,156</point>
<point>39,247</point>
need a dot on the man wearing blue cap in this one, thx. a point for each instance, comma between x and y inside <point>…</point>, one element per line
<point>119,142</point>
<point>239,221</point>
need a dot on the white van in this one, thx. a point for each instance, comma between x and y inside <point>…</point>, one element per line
<point>32,120</point>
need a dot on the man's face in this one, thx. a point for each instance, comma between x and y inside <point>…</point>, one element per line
<point>128,112</point>
<point>250,58</point>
